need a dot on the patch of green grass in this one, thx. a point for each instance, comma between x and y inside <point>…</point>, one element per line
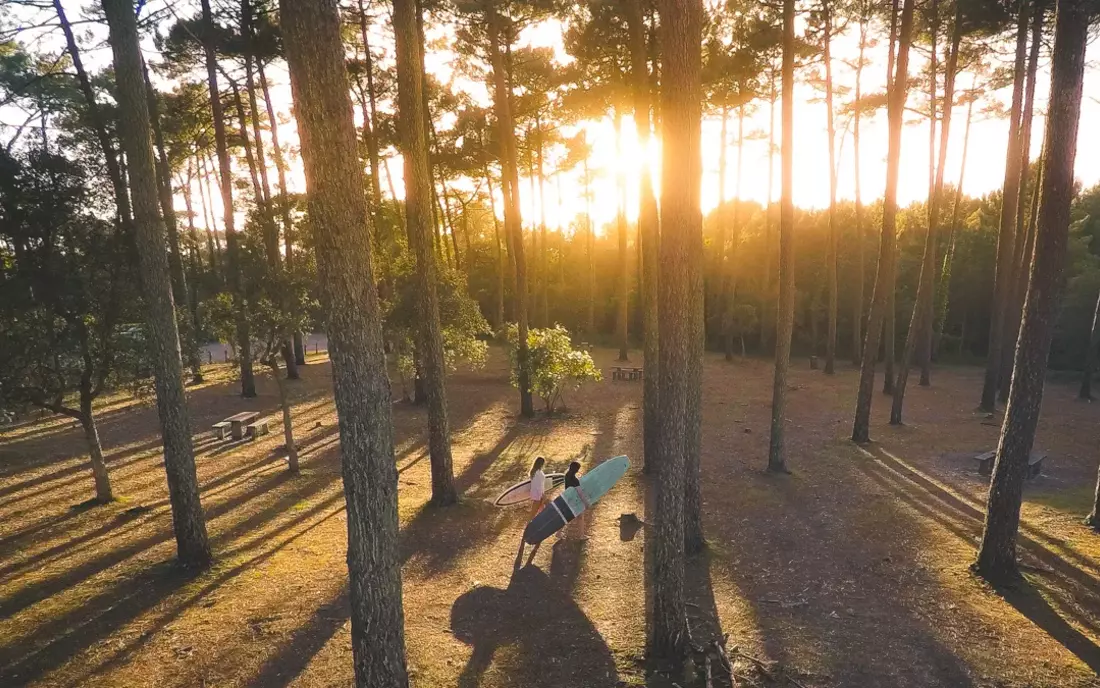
<point>1073,500</point>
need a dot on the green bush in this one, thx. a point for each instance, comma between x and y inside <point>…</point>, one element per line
<point>554,364</point>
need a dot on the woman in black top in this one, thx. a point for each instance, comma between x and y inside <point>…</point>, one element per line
<point>572,480</point>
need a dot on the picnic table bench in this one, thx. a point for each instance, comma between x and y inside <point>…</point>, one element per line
<point>235,424</point>
<point>1034,462</point>
<point>626,373</point>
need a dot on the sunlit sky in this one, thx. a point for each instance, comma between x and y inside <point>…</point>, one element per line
<point>611,158</point>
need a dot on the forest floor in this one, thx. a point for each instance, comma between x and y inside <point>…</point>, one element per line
<point>852,571</point>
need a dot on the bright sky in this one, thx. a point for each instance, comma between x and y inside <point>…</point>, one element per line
<point>611,158</point>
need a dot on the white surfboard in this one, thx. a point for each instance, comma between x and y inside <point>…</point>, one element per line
<point>521,491</point>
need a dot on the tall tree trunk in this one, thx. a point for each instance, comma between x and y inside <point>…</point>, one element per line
<point>621,326</point>
<point>272,362</point>
<point>103,492</point>
<point>195,263</point>
<point>1090,356</point>
<point>188,343</point>
<point>240,308</point>
<point>714,278</point>
<point>513,222</point>
<point>997,554</point>
<point>1017,288</point>
<point>680,313</point>
<point>192,545</point>
<point>589,240</point>
<point>544,271</point>
<point>861,234</point>
<point>208,214</point>
<point>499,324</point>
<point>767,316</point>
<point>785,310</point>
<point>729,275</point>
<point>370,124</point>
<point>920,320</point>
<point>650,240</point>
<point>889,325</point>
<point>297,343</point>
<point>884,282</point>
<point>414,149</point>
<point>338,212</point>
<point>945,271</point>
<point>1003,276</point>
<point>951,73</point>
<point>831,259</point>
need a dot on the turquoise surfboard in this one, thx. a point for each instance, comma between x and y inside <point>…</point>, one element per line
<point>568,505</point>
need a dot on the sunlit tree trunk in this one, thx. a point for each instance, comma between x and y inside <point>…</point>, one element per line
<point>831,258</point>
<point>767,315</point>
<point>884,279</point>
<point>714,278</point>
<point>861,238</point>
<point>623,276</point>
<point>370,124</point>
<point>1017,289</point>
<point>949,256</point>
<point>649,238</point>
<point>195,262</point>
<point>940,288</point>
<point>338,214</point>
<point>499,249</point>
<point>272,362</point>
<point>920,320</point>
<point>414,149</point>
<point>996,559</point>
<point>192,545</point>
<point>1003,277</point>
<point>244,338</point>
<point>785,309</point>
<point>730,272</point>
<point>513,221</point>
<point>680,313</point>
<point>544,270</point>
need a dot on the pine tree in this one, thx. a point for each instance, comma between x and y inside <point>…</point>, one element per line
<point>192,544</point>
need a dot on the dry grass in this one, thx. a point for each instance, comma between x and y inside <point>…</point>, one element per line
<point>852,571</point>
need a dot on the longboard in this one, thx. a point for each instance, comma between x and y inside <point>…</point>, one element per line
<point>521,491</point>
<point>568,505</point>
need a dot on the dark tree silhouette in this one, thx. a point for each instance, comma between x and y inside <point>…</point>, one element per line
<point>996,559</point>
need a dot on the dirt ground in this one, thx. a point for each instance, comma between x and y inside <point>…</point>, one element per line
<point>852,571</point>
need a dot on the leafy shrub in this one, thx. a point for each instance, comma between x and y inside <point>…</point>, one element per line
<point>554,364</point>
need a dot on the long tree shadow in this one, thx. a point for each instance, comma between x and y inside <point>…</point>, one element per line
<point>1071,593</point>
<point>295,655</point>
<point>551,643</point>
<point>108,610</point>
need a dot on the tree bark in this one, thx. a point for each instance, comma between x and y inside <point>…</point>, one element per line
<point>996,559</point>
<point>370,124</point>
<point>272,362</point>
<point>650,240</point>
<point>1020,261</point>
<point>767,316</point>
<point>192,545</point>
<point>920,321</point>
<point>500,252</point>
<point>414,149</point>
<point>785,309</point>
<point>544,271</point>
<point>1003,276</point>
<point>884,278</point>
<point>244,337</point>
<point>951,73</point>
<point>188,342</point>
<point>729,273</point>
<point>338,214</point>
<point>680,314</point>
<point>103,492</point>
<point>621,326</point>
<point>1090,356</point>
<point>195,263</point>
<point>831,259</point>
<point>513,222</point>
<point>945,271</point>
<point>861,238</point>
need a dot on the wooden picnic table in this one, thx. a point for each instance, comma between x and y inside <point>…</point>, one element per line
<point>238,422</point>
<point>626,373</point>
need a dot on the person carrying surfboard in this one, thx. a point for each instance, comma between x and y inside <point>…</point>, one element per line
<point>572,480</point>
<point>538,486</point>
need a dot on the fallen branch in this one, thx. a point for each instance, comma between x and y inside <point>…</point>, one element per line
<point>758,662</point>
<point>706,664</point>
